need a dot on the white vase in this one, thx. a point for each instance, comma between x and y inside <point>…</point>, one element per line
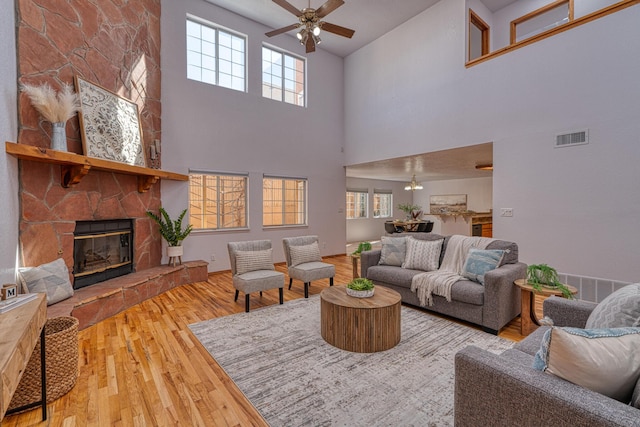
<point>175,254</point>
<point>58,136</point>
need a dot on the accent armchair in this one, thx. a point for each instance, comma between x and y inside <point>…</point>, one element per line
<point>304,262</point>
<point>252,269</point>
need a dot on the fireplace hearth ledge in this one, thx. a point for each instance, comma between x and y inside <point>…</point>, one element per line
<point>97,302</point>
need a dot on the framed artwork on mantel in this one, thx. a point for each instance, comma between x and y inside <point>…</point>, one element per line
<point>109,125</point>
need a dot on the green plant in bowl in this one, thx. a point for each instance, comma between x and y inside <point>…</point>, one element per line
<point>360,284</point>
<point>542,276</point>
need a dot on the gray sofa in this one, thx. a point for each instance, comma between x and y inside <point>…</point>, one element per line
<point>504,390</point>
<point>491,306</point>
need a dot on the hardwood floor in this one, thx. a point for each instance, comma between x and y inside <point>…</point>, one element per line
<point>143,367</point>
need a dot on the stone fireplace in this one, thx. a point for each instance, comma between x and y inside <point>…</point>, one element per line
<point>102,250</point>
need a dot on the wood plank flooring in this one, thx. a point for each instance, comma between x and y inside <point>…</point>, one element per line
<point>143,367</point>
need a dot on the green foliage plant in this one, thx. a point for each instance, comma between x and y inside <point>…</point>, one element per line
<point>360,284</point>
<point>542,276</point>
<point>363,246</point>
<point>408,208</point>
<point>171,230</point>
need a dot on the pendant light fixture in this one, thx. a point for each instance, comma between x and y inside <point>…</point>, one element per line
<point>413,185</point>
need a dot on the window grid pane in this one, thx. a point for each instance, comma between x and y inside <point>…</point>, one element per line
<point>282,77</point>
<point>215,56</point>
<point>357,202</point>
<point>382,203</point>
<point>217,201</point>
<point>284,201</point>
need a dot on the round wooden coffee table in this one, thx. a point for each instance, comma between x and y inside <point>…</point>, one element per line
<point>361,325</point>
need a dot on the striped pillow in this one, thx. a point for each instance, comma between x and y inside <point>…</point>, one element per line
<point>305,253</point>
<point>247,261</point>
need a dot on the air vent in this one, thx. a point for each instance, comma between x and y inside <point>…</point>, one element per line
<point>574,138</point>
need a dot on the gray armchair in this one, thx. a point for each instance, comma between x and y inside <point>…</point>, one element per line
<point>252,269</point>
<point>304,262</point>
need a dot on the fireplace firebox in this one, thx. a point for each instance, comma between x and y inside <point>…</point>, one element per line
<point>102,250</point>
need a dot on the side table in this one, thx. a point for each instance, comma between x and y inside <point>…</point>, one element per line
<point>354,262</point>
<point>528,320</point>
<point>21,328</point>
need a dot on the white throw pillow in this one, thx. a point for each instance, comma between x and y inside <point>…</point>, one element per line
<point>247,261</point>
<point>305,253</point>
<point>606,361</point>
<point>618,310</point>
<point>422,254</point>
<point>51,278</point>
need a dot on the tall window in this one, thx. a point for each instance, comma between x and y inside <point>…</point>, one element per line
<point>284,201</point>
<point>215,56</point>
<point>478,36</point>
<point>283,77</point>
<point>217,201</point>
<point>357,202</point>
<point>382,204</point>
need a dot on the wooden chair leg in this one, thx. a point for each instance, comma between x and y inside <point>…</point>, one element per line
<point>330,281</point>
<point>290,282</point>
<point>246,303</point>
<point>306,289</point>
<point>281,292</point>
<point>236,297</point>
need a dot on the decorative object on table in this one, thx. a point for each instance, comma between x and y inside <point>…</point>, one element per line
<point>362,246</point>
<point>448,203</point>
<point>9,290</point>
<point>173,232</point>
<point>56,108</point>
<point>109,125</point>
<point>542,276</point>
<point>360,288</point>
<point>17,301</point>
<point>61,356</point>
<point>409,209</point>
<point>154,154</point>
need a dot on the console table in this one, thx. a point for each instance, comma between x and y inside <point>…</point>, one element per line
<point>21,328</point>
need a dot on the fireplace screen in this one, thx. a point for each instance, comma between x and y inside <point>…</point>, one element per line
<point>102,250</point>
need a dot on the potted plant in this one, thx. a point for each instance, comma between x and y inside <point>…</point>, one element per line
<point>542,276</point>
<point>360,288</point>
<point>172,231</point>
<point>362,246</point>
<point>409,209</point>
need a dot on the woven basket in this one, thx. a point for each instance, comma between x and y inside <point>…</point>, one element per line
<point>61,356</point>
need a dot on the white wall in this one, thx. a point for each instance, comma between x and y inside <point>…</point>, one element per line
<point>575,208</point>
<point>8,132</point>
<point>368,229</point>
<point>479,193</point>
<point>211,128</point>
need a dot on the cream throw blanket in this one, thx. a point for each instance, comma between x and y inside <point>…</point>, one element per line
<point>439,282</point>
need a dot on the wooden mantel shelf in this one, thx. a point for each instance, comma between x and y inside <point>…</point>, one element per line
<point>73,167</point>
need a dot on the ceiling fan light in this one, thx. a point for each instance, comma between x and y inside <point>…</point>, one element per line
<point>316,30</point>
<point>316,39</point>
<point>299,35</point>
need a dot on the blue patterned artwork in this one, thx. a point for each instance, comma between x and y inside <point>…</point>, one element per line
<point>110,125</point>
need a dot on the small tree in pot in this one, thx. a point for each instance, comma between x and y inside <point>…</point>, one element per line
<point>172,231</point>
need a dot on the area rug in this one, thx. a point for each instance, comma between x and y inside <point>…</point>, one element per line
<point>278,359</point>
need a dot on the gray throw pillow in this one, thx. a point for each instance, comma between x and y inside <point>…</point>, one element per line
<point>635,399</point>
<point>247,261</point>
<point>393,251</point>
<point>52,278</point>
<point>305,253</point>
<point>618,310</point>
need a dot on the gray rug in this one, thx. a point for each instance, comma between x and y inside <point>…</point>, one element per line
<point>278,359</point>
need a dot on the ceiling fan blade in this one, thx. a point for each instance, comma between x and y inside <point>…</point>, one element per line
<point>288,6</point>
<point>337,29</point>
<point>282,30</point>
<point>328,7</point>
<point>311,46</point>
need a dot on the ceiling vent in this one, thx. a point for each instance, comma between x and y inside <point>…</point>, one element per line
<point>580,137</point>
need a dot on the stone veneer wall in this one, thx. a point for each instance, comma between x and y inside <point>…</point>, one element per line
<point>115,44</point>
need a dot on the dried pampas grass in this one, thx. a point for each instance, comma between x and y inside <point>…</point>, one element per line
<point>54,107</point>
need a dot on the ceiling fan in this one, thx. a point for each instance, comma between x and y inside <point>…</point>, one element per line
<point>310,21</point>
